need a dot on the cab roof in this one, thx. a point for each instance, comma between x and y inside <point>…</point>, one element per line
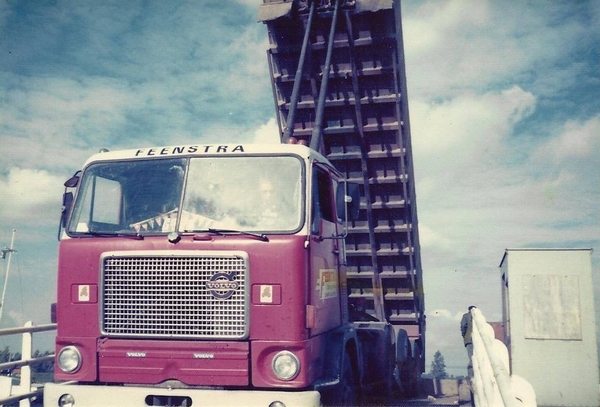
<point>198,150</point>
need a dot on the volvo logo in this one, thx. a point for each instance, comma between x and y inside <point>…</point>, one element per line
<point>222,285</point>
<point>204,355</point>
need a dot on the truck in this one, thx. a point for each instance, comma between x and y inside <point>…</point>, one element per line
<point>240,274</point>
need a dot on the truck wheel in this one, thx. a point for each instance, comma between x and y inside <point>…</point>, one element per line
<point>409,378</point>
<point>345,393</point>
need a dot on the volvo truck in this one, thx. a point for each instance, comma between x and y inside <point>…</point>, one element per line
<point>262,275</point>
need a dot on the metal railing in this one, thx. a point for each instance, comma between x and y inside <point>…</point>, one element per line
<point>23,392</point>
<point>492,384</point>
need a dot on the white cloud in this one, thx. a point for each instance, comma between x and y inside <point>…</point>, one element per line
<point>452,46</point>
<point>469,123</point>
<point>433,238</point>
<point>456,46</point>
<point>475,198</point>
<point>48,121</point>
<point>267,133</point>
<point>28,193</point>
<point>577,141</point>
<point>460,148</point>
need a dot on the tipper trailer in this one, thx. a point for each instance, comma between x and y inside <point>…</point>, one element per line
<point>339,84</point>
<point>268,275</point>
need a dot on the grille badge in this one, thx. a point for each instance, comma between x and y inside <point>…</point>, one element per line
<point>222,285</point>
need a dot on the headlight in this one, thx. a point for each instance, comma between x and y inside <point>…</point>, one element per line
<point>286,365</point>
<point>66,400</point>
<point>69,359</point>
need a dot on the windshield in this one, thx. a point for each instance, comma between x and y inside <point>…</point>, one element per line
<point>160,196</point>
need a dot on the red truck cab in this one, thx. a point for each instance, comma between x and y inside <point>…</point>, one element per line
<point>185,270</point>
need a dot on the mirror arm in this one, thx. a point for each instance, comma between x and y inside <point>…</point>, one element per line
<point>334,237</point>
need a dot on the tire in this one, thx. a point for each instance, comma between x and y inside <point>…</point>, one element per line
<point>406,365</point>
<point>409,378</point>
<point>345,393</point>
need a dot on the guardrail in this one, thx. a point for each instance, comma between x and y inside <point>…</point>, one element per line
<point>492,384</point>
<point>23,392</point>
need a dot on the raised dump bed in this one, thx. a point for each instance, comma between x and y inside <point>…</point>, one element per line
<point>364,130</point>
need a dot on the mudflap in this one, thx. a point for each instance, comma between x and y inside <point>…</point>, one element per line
<point>341,384</point>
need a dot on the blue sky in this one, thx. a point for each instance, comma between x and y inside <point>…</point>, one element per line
<point>504,106</point>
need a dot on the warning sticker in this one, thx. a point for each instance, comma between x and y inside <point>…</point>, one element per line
<point>266,294</point>
<point>84,293</point>
<point>328,283</point>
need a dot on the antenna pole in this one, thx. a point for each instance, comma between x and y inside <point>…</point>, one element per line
<point>10,251</point>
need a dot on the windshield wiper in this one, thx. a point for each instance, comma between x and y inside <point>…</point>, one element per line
<point>116,234</point>
<point>224,232</point>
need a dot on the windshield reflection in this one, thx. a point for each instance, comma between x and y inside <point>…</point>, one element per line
<point>253,193</point>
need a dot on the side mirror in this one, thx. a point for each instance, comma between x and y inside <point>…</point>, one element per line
<point>67,201</point>
<point>73,181</point>
<point>66,208</point>
<point>354,205</point>
<point>348,201</point>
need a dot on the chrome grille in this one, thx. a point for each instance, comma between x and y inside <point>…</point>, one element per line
<point>200,296</point>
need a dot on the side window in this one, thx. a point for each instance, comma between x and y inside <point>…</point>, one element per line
<point>322,199</point>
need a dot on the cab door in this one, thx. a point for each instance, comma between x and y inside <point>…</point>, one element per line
<point>325,253</point>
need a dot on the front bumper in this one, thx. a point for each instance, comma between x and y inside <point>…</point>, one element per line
<point>121,396</point>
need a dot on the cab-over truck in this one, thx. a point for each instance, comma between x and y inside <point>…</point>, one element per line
<point>261,275</point>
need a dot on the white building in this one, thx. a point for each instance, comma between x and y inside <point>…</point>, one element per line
<point>548,315</point>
